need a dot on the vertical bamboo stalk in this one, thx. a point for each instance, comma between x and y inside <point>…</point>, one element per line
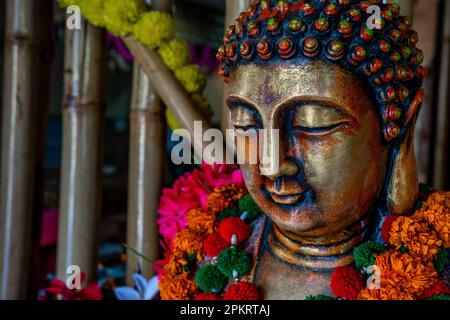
<point>81,150</point>
<point>146,163</point>
<point>146,167</point>
<point>233,9</point>
<point>19,110</point>
<point>171,92</point>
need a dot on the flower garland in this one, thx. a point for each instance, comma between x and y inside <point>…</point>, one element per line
<point>413,265</point>
<point>206,261</point>
<point>157,31</point>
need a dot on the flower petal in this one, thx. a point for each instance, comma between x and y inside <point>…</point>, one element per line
<point>126,293</point>
<point>140,283</point>
<point>152,288</point>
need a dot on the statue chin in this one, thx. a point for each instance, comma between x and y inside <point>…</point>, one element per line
<point>334,167</point>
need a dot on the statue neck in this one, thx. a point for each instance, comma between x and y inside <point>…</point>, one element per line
<point>316,253</point>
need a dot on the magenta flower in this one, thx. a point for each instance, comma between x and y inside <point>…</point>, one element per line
<point>191,191</point>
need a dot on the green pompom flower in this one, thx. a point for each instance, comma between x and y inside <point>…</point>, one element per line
<point>228,213</point>
<point>154,27</point>
<point>319,297</point>
<point>364,254</point>
<point>121,16</point>
<point>175,53</point>
<point>247,204</point>
<point>191,77</point>
<point>233,261</point>
<point>210,279</point>
<point>93,11</point>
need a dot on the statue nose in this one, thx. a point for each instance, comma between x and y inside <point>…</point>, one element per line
<point>276,161</point>
<point>287,168</point>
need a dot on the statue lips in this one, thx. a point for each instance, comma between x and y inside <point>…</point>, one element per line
<point>285,191</point>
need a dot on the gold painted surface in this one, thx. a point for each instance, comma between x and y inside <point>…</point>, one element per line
<point>333,162</point>
<point>332,166</point>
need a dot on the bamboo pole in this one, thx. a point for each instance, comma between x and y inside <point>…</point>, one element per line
<point>145,175</point>
<point>233,9</point>
<point>146,167</point>
<point>17,169</point>
<point>80,172</point>
<point>170,90</point>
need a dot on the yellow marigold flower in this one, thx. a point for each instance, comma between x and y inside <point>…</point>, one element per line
<point>201,221</point>
<point>188,242</point>
<point>191,77</point>
<point>401,270</point>
<point>388,293</point>
<point>175,53</point>
<point>436,211</point>
<point>120,16</point>
<point>415,235</point>
<point>177,287</point>
<point>154,27</point>
<point>93,11</point>
<point>224,196</point>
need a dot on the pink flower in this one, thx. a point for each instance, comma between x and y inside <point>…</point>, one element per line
<point>191,191</point>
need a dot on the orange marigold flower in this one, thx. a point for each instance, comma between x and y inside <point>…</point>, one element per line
<point>174,265</point>
<point>177,287</point>
<point>416,235</point>
<point>188,241</point>
<point>201,221</point>
<point>224,196</point>
<point>408,273</point>
<point>436,211</point>
<point>388,293</point>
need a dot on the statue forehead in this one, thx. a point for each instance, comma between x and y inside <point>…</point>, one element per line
<point>274,83</point>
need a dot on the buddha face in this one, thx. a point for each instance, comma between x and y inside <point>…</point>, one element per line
<point>332,157</point>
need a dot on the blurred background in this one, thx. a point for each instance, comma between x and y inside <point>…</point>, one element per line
<point>201,23</point>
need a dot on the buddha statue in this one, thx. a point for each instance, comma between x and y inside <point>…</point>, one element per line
<point>344,97</point>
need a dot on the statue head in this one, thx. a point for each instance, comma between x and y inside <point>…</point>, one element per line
<point>344,98</point>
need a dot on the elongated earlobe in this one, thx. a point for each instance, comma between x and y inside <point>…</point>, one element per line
<point>403,189</point>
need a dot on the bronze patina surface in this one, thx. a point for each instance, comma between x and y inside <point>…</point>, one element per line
<point>332,169</point>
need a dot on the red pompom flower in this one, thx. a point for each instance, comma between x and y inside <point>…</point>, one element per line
<point>346,282</point>
<point>214,244</point>
<point>207,296</point>
<point>241,291</point>
<point>234,226</point>
<point>386,228</point>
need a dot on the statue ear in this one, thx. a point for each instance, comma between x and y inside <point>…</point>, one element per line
<point>403,188</point>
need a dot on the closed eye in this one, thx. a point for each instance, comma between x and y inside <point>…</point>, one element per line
<point>315,119</point>
<point>321,130</point>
